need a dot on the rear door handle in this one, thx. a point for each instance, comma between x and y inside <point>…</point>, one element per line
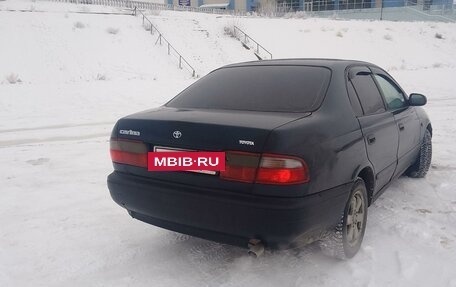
<point>401,126</point>
<point>370,139</point>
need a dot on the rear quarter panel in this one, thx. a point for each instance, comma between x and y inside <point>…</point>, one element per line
<point>330,141</point>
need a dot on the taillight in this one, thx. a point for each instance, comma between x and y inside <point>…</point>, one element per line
<point>128,152</point>
<point>265,168</point>
<point>277,169</point>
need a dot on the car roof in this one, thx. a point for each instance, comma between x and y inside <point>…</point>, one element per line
<point>329,63</point>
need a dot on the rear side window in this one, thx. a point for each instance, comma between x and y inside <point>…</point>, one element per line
<point>258,88</point>
<point>367,91</point>
<point>354,101</point>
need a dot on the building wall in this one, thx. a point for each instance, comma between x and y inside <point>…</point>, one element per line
<point>266,5</point>
<point>239,5</point>
<point>193,3</point>
<point>215,1</point>
<point>269,5</point>
<point>234,4</point>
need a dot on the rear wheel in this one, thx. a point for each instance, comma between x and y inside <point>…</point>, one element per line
<point>345,239</point>
<point>420,168</point>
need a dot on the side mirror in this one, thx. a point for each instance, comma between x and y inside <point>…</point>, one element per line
<point>417,100</point>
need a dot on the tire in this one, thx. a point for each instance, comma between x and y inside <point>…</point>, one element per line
<point>344,241</point>
<point>421,166</point>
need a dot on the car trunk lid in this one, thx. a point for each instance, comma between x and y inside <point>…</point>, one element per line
<point>200,130</point>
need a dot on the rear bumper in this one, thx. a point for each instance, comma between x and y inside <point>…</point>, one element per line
<point>226,216</point>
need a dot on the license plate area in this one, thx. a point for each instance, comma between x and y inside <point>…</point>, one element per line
<point>172,149</point>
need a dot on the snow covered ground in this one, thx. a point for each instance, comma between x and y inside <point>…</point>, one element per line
<point>58,224</point>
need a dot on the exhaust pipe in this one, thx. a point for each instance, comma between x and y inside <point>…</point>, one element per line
<point>256,248</point>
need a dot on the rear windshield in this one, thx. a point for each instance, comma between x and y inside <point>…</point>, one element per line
<point>257,88</point>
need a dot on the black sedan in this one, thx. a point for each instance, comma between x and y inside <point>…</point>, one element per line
<point>309,144</point>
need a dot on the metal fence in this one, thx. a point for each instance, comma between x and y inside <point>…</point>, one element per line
<point>152,6</point>
<point>424,5</point>
<point>410,10</point>
<point>163,41</point>
<point>249,43</point>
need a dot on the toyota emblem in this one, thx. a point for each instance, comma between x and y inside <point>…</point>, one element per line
<point>177,134</point>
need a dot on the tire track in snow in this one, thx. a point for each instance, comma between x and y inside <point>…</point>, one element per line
<point>54,133</point>
<point>56,127</point>
<point>212,259</point>
<point>29,141</point>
